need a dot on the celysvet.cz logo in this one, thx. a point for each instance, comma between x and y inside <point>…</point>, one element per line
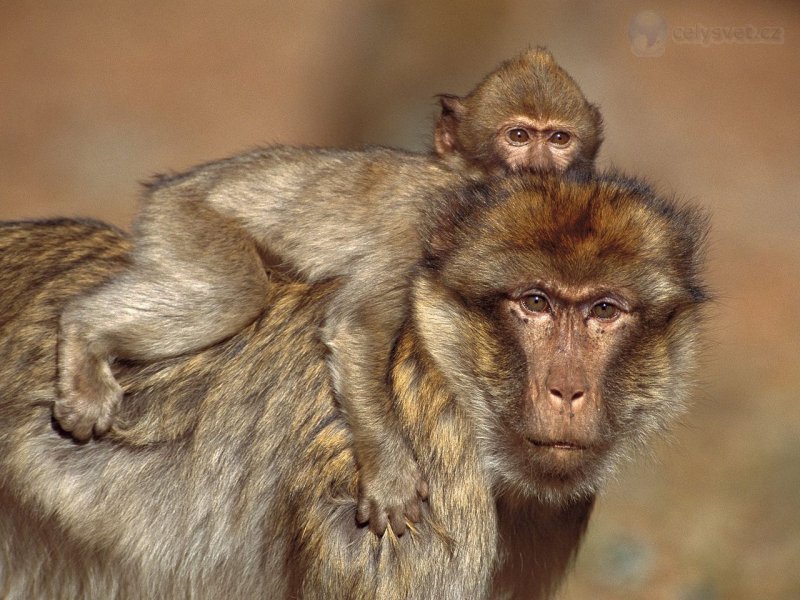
<point>649,34</point>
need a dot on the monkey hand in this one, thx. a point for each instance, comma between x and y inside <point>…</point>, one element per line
<point>89,396</point>
<point>391,491</point>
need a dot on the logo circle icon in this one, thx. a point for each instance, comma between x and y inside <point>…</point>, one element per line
<point>647,32</point>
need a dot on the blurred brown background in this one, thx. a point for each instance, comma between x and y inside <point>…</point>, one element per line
<point>97,95</point>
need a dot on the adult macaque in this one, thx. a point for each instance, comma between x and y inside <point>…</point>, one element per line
<point>554,325</point>
<point>197,272</point>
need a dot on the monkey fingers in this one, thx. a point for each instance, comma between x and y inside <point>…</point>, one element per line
<point>385,500</point>
<point>89,397</point>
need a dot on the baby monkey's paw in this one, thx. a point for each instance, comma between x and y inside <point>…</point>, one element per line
<point>392,494</point>
<point>89,397</point>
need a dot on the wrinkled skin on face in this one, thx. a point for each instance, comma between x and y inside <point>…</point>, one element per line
<point>582,304</point>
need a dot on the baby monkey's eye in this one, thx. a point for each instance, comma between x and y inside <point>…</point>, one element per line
<point>518,135</point>
<point>535,303</point>
<point>560,138</point>
<point>605,311</point>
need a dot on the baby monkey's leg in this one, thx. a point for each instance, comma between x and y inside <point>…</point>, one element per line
<point>191,282</point>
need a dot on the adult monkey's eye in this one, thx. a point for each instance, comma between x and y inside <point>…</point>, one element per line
<point>605,311</point>
<point>560,138</point>
<point>535,303</point>
<point>518,135</point>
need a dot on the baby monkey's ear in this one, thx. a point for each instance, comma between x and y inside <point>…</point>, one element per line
<point>445,135</point>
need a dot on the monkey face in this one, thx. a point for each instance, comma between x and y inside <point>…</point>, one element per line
<point>527,115</point>
<point>580,303</point>
<point>536,145</point>
<point>569,338</point>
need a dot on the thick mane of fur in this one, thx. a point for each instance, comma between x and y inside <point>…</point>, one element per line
<point>580,223</point>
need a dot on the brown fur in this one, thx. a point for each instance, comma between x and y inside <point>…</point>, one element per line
<point>198,273</point>
<point>532,93</point>
<point>232,472</point>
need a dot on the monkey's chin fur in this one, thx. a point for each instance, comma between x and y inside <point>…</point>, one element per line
<point>556,473</point>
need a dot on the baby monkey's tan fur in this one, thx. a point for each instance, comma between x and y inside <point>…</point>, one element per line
<point>206,240</point>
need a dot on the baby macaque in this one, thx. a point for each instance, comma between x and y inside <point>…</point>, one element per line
<point>204,238</point>
<point>529,114</point>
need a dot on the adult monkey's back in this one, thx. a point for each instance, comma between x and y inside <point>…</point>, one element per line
<point>235,477</point>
